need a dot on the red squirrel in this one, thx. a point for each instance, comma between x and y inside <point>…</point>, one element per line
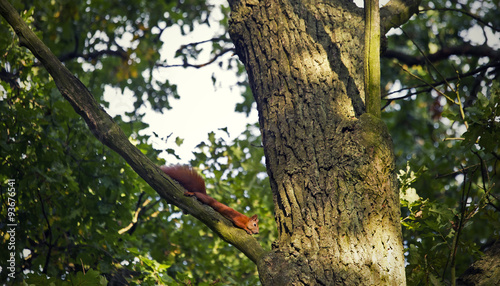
<point>195,186</point>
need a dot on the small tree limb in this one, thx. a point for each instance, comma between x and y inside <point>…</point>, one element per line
<point>372,57</point>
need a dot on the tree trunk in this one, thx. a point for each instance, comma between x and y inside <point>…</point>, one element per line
<point>330,165</point>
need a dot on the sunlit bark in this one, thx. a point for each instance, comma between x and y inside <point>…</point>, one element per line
<point>330,165</point>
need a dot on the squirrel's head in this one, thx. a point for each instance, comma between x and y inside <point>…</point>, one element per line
<point>253,224</point>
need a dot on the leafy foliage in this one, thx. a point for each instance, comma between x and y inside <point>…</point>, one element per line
<point>443,112</point>
<point>79,206</point>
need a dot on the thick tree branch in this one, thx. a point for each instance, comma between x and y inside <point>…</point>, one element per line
<point>90,56</point>
<point>397,12</point>
<point>109,133</point>
<point>445,53</point>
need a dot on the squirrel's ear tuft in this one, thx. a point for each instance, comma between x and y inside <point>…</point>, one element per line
<point>254,217</point>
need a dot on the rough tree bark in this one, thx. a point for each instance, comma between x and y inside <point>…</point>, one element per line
<point>486,270</point>
<point>329,163</point>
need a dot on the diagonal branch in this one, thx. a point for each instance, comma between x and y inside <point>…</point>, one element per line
<point>109,133</point>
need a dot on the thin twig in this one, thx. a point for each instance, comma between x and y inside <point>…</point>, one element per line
<point>473,16</point>
<point>186,64</point>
